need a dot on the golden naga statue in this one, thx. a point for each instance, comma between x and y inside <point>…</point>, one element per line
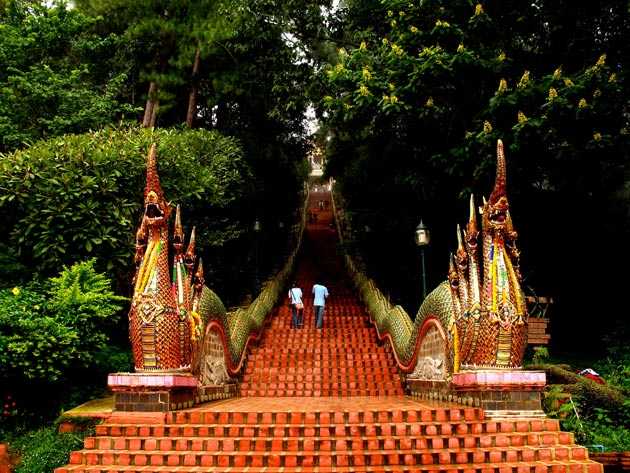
<point>163,325</point>
<point>489,313</point>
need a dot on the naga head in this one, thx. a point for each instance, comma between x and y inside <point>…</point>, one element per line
<point>178,234</point>
<point>472,232</point>
<point>190,256</point>
<point>199,280</point>
<point>495,212</point>
<point>453,277</point>
<point>461,256</point>
<point>156,209</point>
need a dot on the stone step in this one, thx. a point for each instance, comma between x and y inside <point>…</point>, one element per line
<point>422,416</point>
<point>286,429</point>
<point>228,454</point>
<point>377,461</point>
<point>331,441</point>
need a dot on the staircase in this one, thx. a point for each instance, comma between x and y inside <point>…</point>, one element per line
<point>328,400</point>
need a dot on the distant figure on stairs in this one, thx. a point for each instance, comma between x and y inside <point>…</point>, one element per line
<point>297,306</point>
<point>321,293</point>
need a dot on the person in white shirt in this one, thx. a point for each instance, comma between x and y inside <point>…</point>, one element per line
<point>297,306</point>
<point>321,293</point>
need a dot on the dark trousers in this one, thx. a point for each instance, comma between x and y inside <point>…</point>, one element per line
<point>297,316</point>
<point>319,316</point>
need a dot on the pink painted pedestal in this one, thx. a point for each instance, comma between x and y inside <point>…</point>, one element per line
<point>152,392</point>
<point>502,393</point>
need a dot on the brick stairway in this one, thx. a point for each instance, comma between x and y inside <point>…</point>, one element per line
<point>342,359</point>
<point>326,400</point>
<point>351,435</point>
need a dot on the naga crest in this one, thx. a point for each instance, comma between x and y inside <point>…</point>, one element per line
<point>163,326</point>
<point>488,303</point>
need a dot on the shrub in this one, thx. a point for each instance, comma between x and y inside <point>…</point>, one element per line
<point>78,196</point>
<point>44,450</point>
<point>45,332</point>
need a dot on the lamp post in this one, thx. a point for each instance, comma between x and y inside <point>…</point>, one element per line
<point>423,237</point>
<point>256,243</point>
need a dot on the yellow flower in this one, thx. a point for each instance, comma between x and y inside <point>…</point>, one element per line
<point>393,23</point>
<point>460,48</point>
<point>413,29</point>
<point>401,14</point>
<point>347,106</point>
<point>557,73</point>
<point>339,67</point>
<point>385,98</point>
<point>478,9</point>
<point>385,41</point>
<point>521,117</point>
<point>612,78</point>
<point>597,93</point>
<point>501,57</point>
<point>502,86</point>
<point>16,291</point>
<point>440,23</point>
<point>367,75</point>
<point>524,80</point>
<point>553,94</point>
<point>364,91</point>
<point>342,52</point>
<point>568,82</point>
<point>390,13</point>
<point>397,49</point>
<point>582,103</point>
<point>597,136</point>
<point>429,102</point>
<point>487,127</point>
<point>393,98</point>
<point>391,87</point>
<point>363,46</point>
<point>601,61</point>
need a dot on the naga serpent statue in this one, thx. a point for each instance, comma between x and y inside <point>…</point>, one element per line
<point>176,323</point>
<point>166,323</point>
<point>477,318</point>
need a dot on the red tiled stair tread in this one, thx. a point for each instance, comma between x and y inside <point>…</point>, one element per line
<point>537,467</point>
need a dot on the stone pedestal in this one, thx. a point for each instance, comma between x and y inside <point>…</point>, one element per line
<point>502,393</point>
<point>152,392</point>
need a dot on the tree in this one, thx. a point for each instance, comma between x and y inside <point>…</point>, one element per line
<point>54,75</point>
<point>418,95</point>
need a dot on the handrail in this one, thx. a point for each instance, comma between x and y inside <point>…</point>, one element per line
<point>238,328</point>
<point>391,321</point>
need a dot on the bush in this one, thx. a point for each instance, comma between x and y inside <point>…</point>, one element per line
<point>79,196</point>
<point>44,450</point>
<point>46,331</point>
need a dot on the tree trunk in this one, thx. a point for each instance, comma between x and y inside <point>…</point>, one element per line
<point>192,97</point>
<point>150,108</point>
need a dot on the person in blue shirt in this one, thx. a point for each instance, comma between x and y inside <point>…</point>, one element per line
<point>321,293</point>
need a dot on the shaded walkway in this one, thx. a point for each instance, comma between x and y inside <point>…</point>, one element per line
<point>342,359</point>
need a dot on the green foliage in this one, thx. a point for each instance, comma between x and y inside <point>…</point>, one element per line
<point>597,414</point>
<point>44,333</point>
<point>54,76</point>
<point>414,102</point>
<point>80,196</point>
<point>45,449</point>
<point>541,355</point>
